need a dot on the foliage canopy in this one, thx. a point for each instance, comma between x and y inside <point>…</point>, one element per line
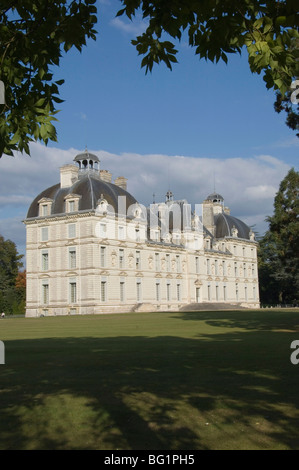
<point>33,36</point>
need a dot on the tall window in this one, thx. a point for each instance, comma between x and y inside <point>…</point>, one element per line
<point>103,290</point>
<point>208,266</point>
<point>157,261</point>
<point>168,262</point>
<point>178,263</point>
<point>45,210</point>
<point>137,235</point>
<point>45,293</point>
<point>121,233</point>
<point>72,258</point>
<point>121,258</point>
<point>178,292</point>
<point>209,292</point>
<point>45,234</point>
<point>168,292</point>
<point>138,260</point>
<point>122,291</point>
<point>71,230</point>
<point>224,268</point>
<point>45,260</point>
<point>224,293</point>
<point>103,256</point>
<point>158,291</point>
<point>138,290</point>
<point>73,291</point>
<point>197,265</point>
<point>71,206</point>
<point>103,231</point>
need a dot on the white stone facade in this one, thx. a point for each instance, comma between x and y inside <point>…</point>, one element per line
<point>95,261</point>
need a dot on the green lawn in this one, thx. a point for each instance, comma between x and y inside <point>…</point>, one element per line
<point>198,380</point>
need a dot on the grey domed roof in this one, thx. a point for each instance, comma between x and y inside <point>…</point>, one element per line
<point>86,156</point>
<point>226,223</point>
<point>90,188</point>
<point>215,197</point>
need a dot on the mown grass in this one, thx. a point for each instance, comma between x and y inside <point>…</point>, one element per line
<point>196,380</point>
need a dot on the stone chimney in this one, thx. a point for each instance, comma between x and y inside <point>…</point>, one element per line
<point>121,182</point>
<point>208,215</point>
<point>106,176</point>
<point>68,175</point>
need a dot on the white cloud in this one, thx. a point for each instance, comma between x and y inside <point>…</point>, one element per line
<point>135,27</point>
<point>247,185</point>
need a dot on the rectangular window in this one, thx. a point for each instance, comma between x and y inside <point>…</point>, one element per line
<point>216,267</point>
<point>168,292</point>
<point>209,292</point>
<point>138,260</point>
<point>237,292</point>
<point>137,235</point>
<point>178,292</point>
<point>72,258</point>
<point>73,292</point>
<point>103,256</point>
<point>224,268</point>
<point>208,266</point>
<point>178,264</point>
<point>45,210</point>
<point>121,233</point>
<point>103,291</point>
<point>45,294</point>
<point>158,291</point>
<point>168,262</point>
<point>103,231</point>
<point>121,258</point>
<point>236,269</point>
<point>45,261</point>
<point>157,262</point>
<point>244,269</point>
<point>45,234</point>
<point>224,293</point>
<point>197,265</point>
<point>71,230</point>
<point>217,292</point>
<point>122,291</point>
<point>138,289</point>
<point>71,206</point>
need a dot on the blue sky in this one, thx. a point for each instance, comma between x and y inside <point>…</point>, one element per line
<point>197,127</point>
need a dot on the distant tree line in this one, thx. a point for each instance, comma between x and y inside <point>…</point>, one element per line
<point>12,279</point>
<point>279,247</point>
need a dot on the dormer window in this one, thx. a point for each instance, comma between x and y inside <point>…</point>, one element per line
<point>72,203</point>
<point>45,205</point>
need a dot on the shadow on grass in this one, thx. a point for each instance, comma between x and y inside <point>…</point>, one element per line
<point>236,389</point>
